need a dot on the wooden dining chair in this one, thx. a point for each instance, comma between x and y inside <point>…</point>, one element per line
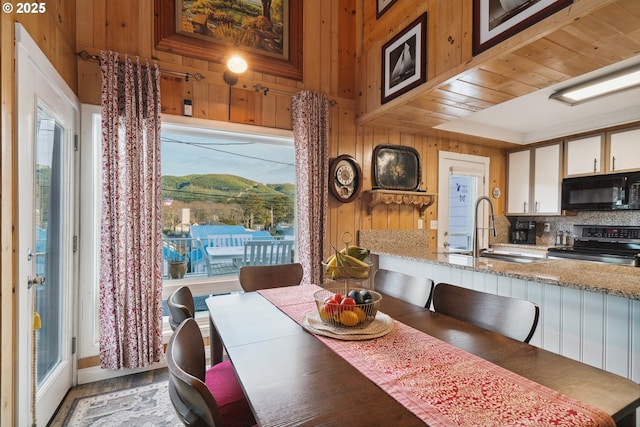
<point>512,317</point>
<point>202,397</point>
<point>412,289</point>
<point>254,277</point>
<point>181,306</point>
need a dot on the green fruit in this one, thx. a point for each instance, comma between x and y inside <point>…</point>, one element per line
<point>358,252</point>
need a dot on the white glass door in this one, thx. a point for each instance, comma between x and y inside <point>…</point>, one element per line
<point>461,180</point>
<point>47,120</point>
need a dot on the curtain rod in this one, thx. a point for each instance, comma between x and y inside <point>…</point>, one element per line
<point>88,57</point>
<point>265,90</point>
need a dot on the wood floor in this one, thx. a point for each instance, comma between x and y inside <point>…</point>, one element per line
<point>106,386</point>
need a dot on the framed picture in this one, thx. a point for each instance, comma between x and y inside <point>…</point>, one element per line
<point>382,6</point>
<point>267,34</point>
<point>404,60</point>
<point>497,20</point>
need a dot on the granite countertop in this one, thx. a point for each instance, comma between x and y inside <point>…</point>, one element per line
<point>618,280</point>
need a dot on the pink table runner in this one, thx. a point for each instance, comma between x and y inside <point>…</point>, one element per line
<point>441,384</point>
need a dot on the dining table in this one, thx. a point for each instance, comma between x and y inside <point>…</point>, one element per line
<point>427,369</point>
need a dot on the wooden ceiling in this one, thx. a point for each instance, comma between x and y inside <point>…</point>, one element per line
<point>602,35</point>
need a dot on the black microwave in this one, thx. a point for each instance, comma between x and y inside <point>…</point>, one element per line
<point>602,192</point>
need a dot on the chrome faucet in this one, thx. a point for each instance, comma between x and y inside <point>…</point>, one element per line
<point>492,225</point>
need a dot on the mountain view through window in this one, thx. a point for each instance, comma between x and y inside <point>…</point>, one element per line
<point>222,188</point>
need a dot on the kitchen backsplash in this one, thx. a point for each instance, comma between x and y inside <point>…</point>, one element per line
<point>504,224</point>
<point>565,223</point>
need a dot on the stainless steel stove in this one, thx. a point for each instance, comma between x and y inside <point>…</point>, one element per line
<point>611,244</point>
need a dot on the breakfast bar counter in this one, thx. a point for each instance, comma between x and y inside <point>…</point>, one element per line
<point>588,311</point>
<point>622,281</point>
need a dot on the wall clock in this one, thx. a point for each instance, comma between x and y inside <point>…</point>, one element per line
<point>345,178</point>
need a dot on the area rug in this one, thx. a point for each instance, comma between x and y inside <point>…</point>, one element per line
<point>144,406</point>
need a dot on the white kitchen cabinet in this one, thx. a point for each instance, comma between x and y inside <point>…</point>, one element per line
<point>584,155</point>
<point>624,150</point>
<point>613,152</point>
<point>534,190</point>
<point>546,180</point>
<point>518,182</point>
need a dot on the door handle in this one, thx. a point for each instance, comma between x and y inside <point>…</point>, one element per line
<point>35,280</point>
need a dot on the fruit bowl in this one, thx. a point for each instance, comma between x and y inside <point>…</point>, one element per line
<point>347,314</point>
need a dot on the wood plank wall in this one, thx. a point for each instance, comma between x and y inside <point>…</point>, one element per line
<point>450,45</point>
<point>331,48</point>
<point>354,216</point>
<point>336,33</point>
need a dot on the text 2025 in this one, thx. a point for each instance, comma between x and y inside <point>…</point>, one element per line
<point>34,7</point>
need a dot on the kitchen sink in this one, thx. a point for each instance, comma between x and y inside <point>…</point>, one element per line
<point>466,257</point>
<point>511,257</point>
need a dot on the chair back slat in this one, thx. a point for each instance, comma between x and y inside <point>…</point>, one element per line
<point>219,241</point>
<point>512,317</point>
<point>412,289</point>
<point>258,252</point>
<point>240,239</point>
<point>283,252</point>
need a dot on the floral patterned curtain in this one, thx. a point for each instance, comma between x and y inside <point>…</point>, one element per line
<point>131,249</point>
<point>310,133</point>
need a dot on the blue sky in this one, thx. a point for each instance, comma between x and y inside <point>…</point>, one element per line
<point>262,162</point>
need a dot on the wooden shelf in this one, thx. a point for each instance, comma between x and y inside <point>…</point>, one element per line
<point>420,200</point>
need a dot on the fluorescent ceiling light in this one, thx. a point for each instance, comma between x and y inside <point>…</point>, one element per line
<point>627,78</point>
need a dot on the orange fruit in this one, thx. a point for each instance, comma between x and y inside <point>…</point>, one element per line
<point>349,318</point>
<point>362,316</point>
<point>325,313</point>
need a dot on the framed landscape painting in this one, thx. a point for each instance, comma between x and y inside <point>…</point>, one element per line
<point>266,32</point>
<point>497,20</point>
<point>404,60</point>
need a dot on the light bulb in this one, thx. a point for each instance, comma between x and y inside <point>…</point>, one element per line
<point>237,64</point>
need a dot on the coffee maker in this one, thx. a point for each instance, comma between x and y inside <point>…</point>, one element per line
<point>524,232</point>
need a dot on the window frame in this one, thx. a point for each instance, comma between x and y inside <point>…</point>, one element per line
<point>90,211</point>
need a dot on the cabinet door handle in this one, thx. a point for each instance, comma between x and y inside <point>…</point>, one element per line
<point>613,163</point>
<point>524,207</point>
<point>595,165</point>
<point>537,207</point>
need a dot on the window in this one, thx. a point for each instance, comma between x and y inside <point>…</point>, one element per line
<point>221,188</point>
<point>180,133</point>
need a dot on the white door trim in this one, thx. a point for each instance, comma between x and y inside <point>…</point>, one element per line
<point>30,60</point>
<point>466,164</point>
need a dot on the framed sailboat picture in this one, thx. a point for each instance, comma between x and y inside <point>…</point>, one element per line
<point>382,6</point>
<point>497,20</point>
<point>404,60</point>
